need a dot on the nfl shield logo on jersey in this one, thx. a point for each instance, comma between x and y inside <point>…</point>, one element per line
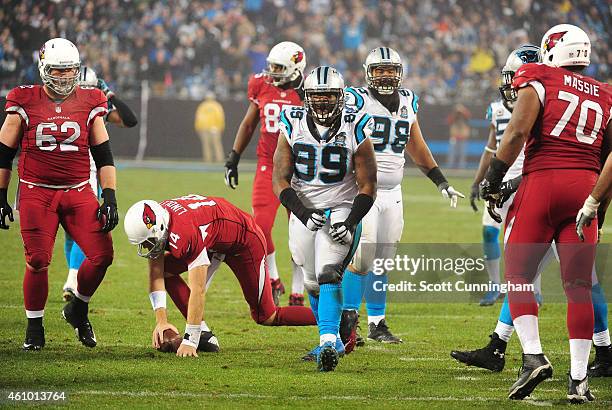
<point>340,139</point>
<point>404,112</point>
<point>58,109</point>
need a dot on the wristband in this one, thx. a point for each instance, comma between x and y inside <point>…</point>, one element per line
<point>360,208</point>
<point>288,197</point>
<point>436,176</point>
<point>232,159</point>
<point>491,150</point>
<point>158,299</point>
<point>7,154</point>
<point>192,335</point>
<point>109,195</point>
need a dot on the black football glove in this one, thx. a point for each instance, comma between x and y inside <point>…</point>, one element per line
<point>491,195</point>
<point>474,196</point>
<point>508,188</point>
<point>5,209</point>
<point>231,169</point>
<point>108,209</point>
<point>342,233</point>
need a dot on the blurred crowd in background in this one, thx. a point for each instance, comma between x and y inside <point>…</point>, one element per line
<point>453,50</point>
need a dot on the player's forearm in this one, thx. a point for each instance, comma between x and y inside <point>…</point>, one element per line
<point>366,169</point>
<point>421,155</point>
<point>195,308</point>
<point>512,144</point>
<point>5,178</point>
<point>126,116</point>
<point>485,160</point>
<point>243,136</point>
<point>108,177</point>
<point>161,316</point>
<point>283,167</point>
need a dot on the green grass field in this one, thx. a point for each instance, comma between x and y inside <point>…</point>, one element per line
<point>259,366</point>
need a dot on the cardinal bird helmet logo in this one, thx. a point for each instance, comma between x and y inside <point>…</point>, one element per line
<point>297,57</point>
<point>553,39</point>
<point>148,216</point>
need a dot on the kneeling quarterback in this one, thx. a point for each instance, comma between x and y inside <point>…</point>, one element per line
<point>194,234</point>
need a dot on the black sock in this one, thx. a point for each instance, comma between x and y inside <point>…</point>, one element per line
<point>35,321</point>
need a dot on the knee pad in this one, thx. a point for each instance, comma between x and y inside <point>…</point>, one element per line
<point>490,236</point>
<point>330,274</point>
<point>38,261</point>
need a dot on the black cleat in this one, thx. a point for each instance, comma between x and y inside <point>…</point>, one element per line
<point>535,369</point>
<point>381,333</point>
<point>601,366</point>
<point>578,391</point>
<point>490,357</point>
<point>35,337</point>
<point>75,313</point>
<point>208,342</point>
<point>359,340</point>
<point>327,360</point>
<point>348,329</point>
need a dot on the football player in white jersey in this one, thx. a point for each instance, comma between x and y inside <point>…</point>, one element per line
<point>121,115</point>
<point>396,130</point>
<point>498,113</point>
<point>325,174</point>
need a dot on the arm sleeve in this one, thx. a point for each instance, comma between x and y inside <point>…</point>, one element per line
<point>285,126</point>
<point>127,115</point>
<point>99,106</point>
<point>363,128</point>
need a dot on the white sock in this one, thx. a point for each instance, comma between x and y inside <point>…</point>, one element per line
<point>493,269</point>
<point>504,331</point>
<point>327,337</point>
<point>82,297</point>
<point>579,357</point>
<point>527,330</point>
<point>204,327</point>
<point>602,338</point>
<point>375,319</point>
<point>33,314</point>
<point>297,284</point>
<point>271,262</point>
<point>71,280</point>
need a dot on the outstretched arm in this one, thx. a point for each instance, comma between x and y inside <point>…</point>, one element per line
<point>421,156</point>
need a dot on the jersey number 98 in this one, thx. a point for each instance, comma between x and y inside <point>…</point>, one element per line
<point>333,163</point>
<point>383,137</point>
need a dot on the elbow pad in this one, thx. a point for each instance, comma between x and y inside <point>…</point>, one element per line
<point>102,155</point>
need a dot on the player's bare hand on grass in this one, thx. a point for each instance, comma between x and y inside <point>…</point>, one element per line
<point>185,350</point>
<point>158,333</point>
<point>341,233</point>
<point>448,192</point>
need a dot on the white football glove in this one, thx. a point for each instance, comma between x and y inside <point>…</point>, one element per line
<point>316,220</point>
<point>448,192</point>
<point>341,233</point>
<point>585,216</point>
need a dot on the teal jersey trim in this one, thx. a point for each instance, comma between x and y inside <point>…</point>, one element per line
<point>284,120</point>
<point>359,134</point>
<point>359,101</point>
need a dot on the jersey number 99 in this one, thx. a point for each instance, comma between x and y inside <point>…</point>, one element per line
<point>333,163</point>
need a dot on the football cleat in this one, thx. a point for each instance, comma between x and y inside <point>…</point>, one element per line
<point>327,359</point>
<point>381,333</point>
<point>578,391</point>
<point>314,353</point>
<point>35,338</point>
<point>296,299</point>
<point>80,322</point>
<point>348,329</point>
<point>535,369</point>
<point>67,295</point>
<point>208,342</point>
<point>601,366</point>
<point>278,289</point>
<point>359,340</point>
<point>490,298</point>
<point>490,357</point>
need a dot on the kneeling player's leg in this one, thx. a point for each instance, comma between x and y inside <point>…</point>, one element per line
<point>82,224</point>
<point>250,270</point>
<point>265,206</point>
